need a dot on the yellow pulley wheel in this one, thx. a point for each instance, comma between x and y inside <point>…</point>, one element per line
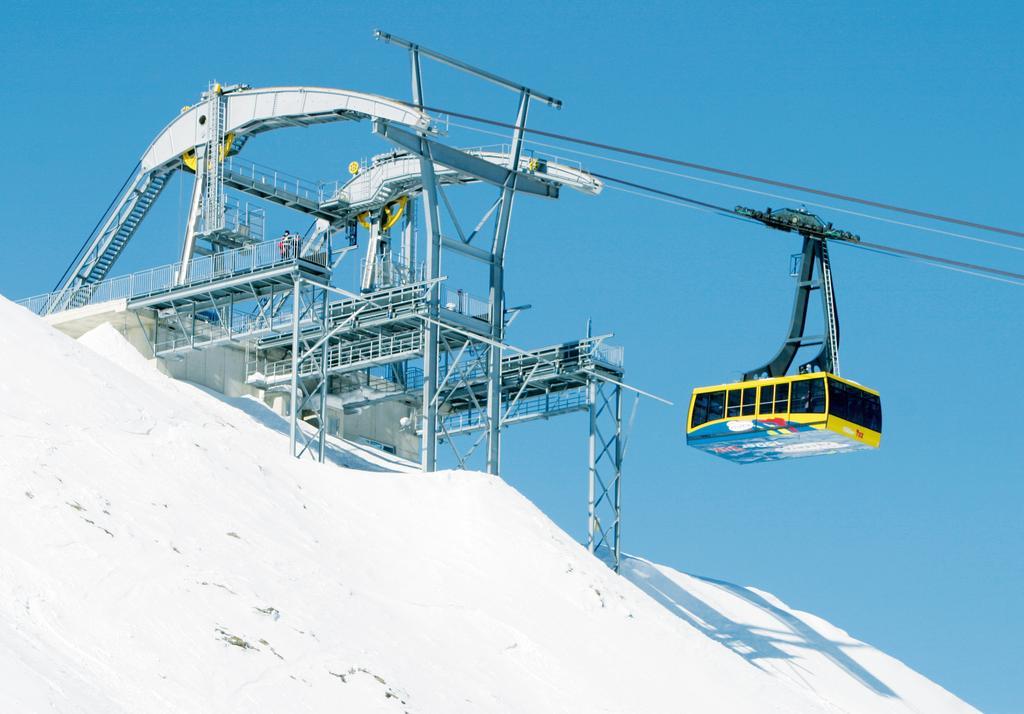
<point>189,157</point>
<point>393,211</point>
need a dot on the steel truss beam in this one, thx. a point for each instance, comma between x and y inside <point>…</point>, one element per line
<point>468,365</point>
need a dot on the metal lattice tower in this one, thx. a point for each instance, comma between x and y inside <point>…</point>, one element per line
<point>604,487</point>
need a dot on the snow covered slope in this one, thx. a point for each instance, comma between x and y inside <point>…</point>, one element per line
<point>160,552</point>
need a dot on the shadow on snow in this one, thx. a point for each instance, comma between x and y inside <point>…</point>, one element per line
<point>750,642</point>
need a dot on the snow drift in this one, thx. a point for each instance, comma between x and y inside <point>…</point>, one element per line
<point>160,552</point>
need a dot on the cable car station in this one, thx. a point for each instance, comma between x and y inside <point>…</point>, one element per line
<point>402,361</point>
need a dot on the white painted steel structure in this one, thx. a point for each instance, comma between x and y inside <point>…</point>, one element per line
<point>318,342</point>
<point>253,111</point>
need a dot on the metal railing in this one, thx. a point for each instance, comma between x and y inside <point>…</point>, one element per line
<point>329,190</point>
<point>610,355</point>
<point>212,328</point>
<point>245,220</point>
<point>393,301</point>
<point>488,149</point>
<point>548,404</point>
<point>380,379</point>
<point>39,304</point>
<point>556,159</point>
<point>390,272</point>
<point>148,283</point>
<point>551,402</point>
<point>347,355</point>
<point>271,180</point>
<point>569,356</point>
<point>465,304</point>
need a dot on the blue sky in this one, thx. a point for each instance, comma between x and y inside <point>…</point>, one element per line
<point>916,548</point>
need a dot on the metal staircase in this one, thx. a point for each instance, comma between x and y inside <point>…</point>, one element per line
<point>107,244</point>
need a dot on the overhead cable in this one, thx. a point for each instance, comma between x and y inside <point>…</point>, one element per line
<point>748,189</point>
<point>980,270</point>
<point>734,174</point>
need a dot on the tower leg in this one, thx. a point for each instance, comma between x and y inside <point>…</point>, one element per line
<point>604,483</point>
<point>432,227</point>
<point>497,291</point>
<point>194,209</point>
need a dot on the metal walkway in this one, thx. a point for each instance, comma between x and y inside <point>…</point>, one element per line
<point>375,329</point>
<point>278,187</point>
<point>156,285</point>
<point>537,384</point>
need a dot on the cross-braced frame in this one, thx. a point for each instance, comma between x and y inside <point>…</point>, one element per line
<point>308,391</point>
<point>604,502</point>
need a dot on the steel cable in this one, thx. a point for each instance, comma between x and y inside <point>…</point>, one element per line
<point>733,174</point>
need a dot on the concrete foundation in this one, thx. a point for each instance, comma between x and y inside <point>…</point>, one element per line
<point>391,424</point>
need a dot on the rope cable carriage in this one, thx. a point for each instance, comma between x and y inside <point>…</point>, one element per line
<point>770,414</point>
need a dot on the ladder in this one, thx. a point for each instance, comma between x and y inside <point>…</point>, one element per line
<point>213,199</point>
<point>830,308</point>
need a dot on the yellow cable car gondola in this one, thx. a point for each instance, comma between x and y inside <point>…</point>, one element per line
<point>769,416</point>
